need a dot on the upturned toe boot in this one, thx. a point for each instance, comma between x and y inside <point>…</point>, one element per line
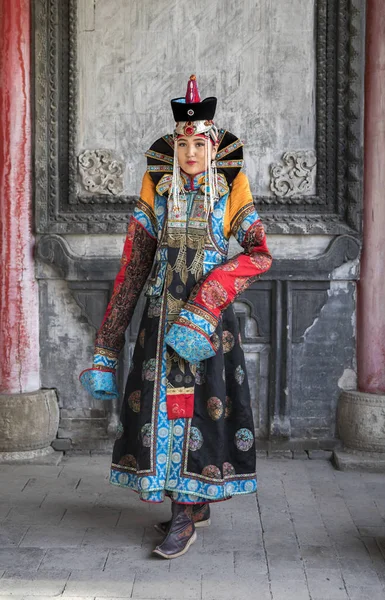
<point>200,516</point>
<point>181,533</point>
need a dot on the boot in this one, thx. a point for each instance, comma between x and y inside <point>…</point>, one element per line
<point>200,516</point>
<point>181,533</point>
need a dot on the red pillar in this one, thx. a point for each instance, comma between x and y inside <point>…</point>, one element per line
<point>371,289</point>
<point>19,313</point>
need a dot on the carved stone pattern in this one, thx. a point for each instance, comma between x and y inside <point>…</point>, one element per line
<point>335,209</point>
<point>294,176</point>
<point>100,172</point>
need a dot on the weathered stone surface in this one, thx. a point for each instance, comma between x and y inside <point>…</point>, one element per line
<point>28,421</point>
<point>44,456</point>
<point>361,421</point>
<point>269,58</point>
<point>359,461</point>
<point>61,444</point>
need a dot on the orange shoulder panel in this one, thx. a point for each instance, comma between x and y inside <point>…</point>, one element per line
<point>147,193</point>
<point>239,196</point>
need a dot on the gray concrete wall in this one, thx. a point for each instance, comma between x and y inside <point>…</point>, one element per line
<point>256,56</point>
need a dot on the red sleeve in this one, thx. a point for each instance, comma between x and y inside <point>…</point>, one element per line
<point>223,284</point>
<point>138,255</point>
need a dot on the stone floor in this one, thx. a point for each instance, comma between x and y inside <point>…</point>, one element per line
<point>313,533</point>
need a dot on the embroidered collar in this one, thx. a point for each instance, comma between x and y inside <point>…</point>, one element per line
<point>192,184</point>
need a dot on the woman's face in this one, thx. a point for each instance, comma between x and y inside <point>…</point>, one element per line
<point>192,153</point>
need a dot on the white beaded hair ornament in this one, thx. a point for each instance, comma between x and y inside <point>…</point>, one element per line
<point>195,117</point>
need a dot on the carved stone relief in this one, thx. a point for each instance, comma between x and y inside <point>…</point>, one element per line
<point>294,176</point>
<point>100,173</point>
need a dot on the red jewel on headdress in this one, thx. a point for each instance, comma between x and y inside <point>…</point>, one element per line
<point>192,93</point>
<point>189,128</point>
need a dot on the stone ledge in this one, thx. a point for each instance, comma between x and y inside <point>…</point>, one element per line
<point>44,456</point>
<point>349,460</point>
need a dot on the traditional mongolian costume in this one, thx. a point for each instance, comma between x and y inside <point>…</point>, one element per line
<point>186,427</point>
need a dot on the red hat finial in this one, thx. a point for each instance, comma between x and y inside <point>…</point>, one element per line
<point>192,94</point>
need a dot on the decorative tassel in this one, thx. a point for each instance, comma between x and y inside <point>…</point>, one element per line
<point>177,187</point>
<point>211,179</point>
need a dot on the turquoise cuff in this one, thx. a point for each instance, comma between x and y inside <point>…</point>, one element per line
<point>100,384</point>
<point>189,343</point>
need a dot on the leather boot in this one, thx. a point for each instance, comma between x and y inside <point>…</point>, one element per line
<point>200,516</point>
<point>181,533</point>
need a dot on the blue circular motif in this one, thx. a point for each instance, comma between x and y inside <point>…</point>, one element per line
<point>123,478</point>
<point>178,430</point>
<point>230,487</point>
<point>212,490</point>
<point>196,439</point>
<point>244,439</point>
<point>249,486</point>
<point>162,459</point>
<point>176,457</point>
<point>163,432</point>
<point>192,485</point>
<point>145,483</point>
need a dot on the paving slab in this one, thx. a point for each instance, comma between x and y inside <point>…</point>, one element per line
<point>104,585</point>
<point>23,558</point>
<point>86,559</point>
<point>231,587</point>
<point>289,590</point>
<point>52,536</point>
<point>11,534</point>
<point>153,585</point>
<point>29,583</point>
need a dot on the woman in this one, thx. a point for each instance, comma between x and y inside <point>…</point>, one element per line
<point>186,423</point>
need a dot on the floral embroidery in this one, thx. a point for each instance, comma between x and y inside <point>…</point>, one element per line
<point>134,401</point>
<point>146,434</point>
<point>262,261</point>
<point>148,370</point>
<point>154,307</point>
<point>140,250</point>
<point>119,431</point>
<point>254,235</point>
<point>214,294</point>
<point>241,284</point>
<point>216,342</point>
<point>228,469</point>
<point>239,375</point>
<point>196,439</point>
<point>230,266</point>
<point>129,461</point>
<point>228,407</point>
<point>227,341</point>
<point>200,373</point>
<point>244,439</point>
<point>214,408</point>
<point>212,472</point>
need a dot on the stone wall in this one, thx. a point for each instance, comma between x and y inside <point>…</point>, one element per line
<point>256,56</point>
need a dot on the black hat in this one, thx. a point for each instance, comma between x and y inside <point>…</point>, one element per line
<point>191,107</point>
